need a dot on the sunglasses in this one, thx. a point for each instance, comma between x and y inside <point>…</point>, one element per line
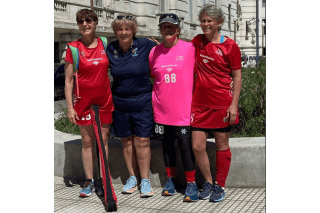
<point>171,15</point>
<point>125,17</point>
<point>88,21</point>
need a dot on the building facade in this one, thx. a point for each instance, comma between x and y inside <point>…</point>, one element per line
<point>147,14</point>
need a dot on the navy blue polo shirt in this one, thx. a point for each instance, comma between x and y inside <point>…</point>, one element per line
<point>131,88</point>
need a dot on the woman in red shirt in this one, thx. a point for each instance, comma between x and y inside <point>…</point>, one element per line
<point>214,103</point>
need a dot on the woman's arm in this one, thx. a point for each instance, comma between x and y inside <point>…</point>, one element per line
<point>233,109</point>
<point>68,90</point>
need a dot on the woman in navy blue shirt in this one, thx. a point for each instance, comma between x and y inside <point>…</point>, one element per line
<point>131,89</point>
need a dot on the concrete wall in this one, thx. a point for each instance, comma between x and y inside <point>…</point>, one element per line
<point>247,167</point>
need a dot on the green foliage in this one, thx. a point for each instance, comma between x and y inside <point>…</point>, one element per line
<point>64,125</point>
<point>252,103</point>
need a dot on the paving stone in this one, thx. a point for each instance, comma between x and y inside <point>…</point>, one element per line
<point>66,199</point>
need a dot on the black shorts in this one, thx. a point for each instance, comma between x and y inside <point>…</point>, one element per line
<point>162,131</point>
<point>226,129</point>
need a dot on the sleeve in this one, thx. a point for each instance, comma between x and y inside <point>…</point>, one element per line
<point>235,57</point>
<point>69,56</point>
<point>151,62</point>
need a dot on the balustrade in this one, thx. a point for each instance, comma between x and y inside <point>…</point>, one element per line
<point>60,6</point>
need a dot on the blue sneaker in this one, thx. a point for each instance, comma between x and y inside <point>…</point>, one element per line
<point>192,192</point>
<point>146,190</point>
<point>87,189</point>
<point>130,186</point>
<point>169,188</point>
<point>206,192</point>
<point>218,194</point>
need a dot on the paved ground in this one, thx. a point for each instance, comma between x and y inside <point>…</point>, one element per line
<point>237,200</point>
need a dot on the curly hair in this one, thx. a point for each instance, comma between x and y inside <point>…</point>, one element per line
<point>132,23</point>
<point>214,11</point>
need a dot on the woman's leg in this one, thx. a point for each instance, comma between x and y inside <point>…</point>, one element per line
<point>129,155</point>
<point>143,153</point>
<point>199,146</point>
<point>223,159</point>
<point>87,138</point>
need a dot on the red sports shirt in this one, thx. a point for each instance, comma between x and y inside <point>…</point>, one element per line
<point>93,80</point>
<point>214,63</point>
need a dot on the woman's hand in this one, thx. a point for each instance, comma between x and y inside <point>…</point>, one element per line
<point>155,40</point>
<point>232,113</point>
<point>72,116</point>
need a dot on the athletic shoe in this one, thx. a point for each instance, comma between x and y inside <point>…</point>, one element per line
<point>130,186</point>
<point>169,188</point>
<point>207,189</point>
<point>99,187</point>
<point>146,190</point>
<point>218,194</point>
<point>191,193</point>
<point>87,189</point>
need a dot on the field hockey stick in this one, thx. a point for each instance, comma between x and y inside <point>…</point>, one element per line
<point>109,195</point>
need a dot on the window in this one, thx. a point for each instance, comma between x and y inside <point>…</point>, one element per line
<point>264,28</point>
<point>263,3</point>
<point>97,3</point>
<point>190,11</point>
<point>56,52</point>
<point>204,2</point>
<point>229,16</point>
<point>162,6</point>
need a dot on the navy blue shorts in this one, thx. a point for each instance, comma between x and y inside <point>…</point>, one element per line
<point>138,122</point>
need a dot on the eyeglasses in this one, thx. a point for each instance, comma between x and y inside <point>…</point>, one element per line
<point>171,15</point>
<point>88,21</point>
<point>125,17</point>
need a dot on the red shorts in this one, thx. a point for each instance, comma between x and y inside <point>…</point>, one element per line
<point>210,118</point>
<point>82,107</point>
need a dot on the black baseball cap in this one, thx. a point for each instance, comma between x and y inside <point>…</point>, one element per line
<point>169,17</point>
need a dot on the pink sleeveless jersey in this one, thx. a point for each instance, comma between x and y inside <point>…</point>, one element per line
<point>172,69</point>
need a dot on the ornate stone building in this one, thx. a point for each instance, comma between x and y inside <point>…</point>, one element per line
<point>147,13</point>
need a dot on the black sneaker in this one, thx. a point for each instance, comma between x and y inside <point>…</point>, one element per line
<point>218,194</point>
<point>207,189</point>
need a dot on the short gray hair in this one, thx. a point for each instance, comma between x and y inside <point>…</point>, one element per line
<point>214,11</point>
<point>131,22</point>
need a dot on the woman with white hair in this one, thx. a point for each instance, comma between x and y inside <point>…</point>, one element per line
<point>131,90</point>
<point>214,103</point>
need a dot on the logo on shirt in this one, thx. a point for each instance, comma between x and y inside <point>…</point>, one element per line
<point>207,57</point>
<point>201,46</point>
<point>219,52</point>
<point>179,58</point>
<point>134,52</point>
<point>103,52</point>
<point>192,114</point>
<point>95,62</point>
<point>169,69</point>
<point>205,61</point>
<point>82,53</point>
<point>183,131</point>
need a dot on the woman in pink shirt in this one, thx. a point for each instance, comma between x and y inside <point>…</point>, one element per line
<point>172,64</point>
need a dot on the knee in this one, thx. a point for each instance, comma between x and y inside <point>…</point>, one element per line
<point>141,142</point>
<point>127,142</point>
<point>87,143</point>
<point>198,148</point>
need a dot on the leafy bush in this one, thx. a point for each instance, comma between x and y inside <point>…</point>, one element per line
<point>64,125</point>
<point>252,103</point>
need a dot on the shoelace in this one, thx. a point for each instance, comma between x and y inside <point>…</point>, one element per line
<point>131,180</point>
<point>217,189</point>
<point>190,187</point>
<point>206,187</point>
